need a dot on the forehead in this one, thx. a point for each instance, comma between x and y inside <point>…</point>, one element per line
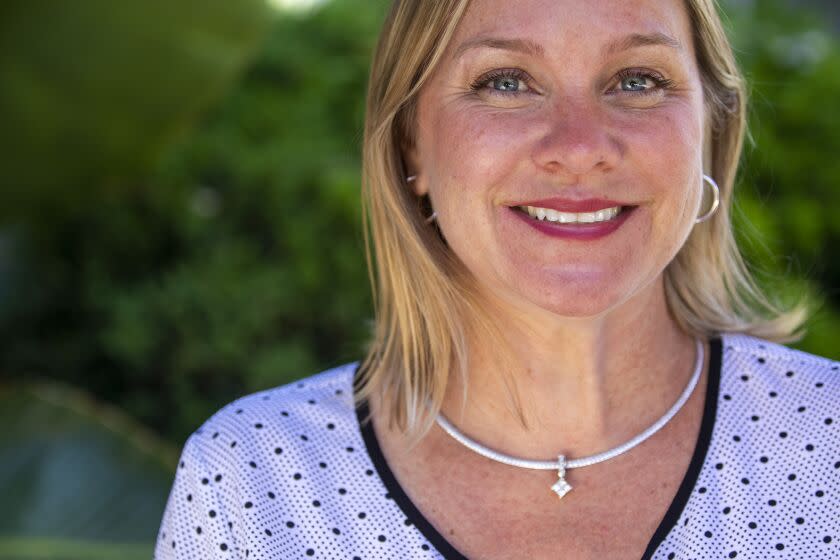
<point>581,22</point>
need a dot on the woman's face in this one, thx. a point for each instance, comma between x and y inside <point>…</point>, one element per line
<point>587,114</point>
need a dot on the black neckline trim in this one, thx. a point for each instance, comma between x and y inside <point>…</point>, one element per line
<point>397,493</point>
<point>668,521</point>
<point>707,425</point>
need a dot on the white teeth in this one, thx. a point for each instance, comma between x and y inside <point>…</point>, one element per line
<point>546,214</point>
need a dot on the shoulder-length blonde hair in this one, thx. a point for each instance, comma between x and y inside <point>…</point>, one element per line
<point>423,302</point>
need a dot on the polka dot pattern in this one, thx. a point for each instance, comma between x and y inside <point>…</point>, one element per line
<point>296,484</point>
<point>769,486</point>
<point>288,473</point>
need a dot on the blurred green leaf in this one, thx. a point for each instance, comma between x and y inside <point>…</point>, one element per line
<point>92,92</point>
<point>788,180</point>
<point>80,474</point>
<point>56,549</point>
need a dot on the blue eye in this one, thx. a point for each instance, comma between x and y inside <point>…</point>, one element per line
<point>635,83</point>
<point>638,82</point>
<point>505,82</point>
<point>508,83</point>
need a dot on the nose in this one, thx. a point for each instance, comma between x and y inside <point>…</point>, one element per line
<point>575,140</point>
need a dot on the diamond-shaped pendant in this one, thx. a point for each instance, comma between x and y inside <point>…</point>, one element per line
<point>561,487</point>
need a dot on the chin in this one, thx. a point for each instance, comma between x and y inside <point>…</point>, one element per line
<point>578,297</point>
<point>579,307</point>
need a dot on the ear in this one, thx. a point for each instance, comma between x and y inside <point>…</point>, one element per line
<point>411,160</point>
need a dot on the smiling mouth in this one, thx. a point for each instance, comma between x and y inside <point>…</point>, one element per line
<point>557,217</point>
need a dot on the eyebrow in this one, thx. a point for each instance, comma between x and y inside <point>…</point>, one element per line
<point>525,46</point>
<point>642,40</point>
<point>516,45</point>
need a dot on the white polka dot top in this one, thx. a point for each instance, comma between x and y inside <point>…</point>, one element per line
<point>291,473</point>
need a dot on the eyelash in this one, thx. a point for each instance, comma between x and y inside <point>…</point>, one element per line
<point>489,77</point>
<point>661,82</point>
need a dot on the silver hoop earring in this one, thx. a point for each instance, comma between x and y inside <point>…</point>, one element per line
<point>715,200</point>
<point>411,178</point>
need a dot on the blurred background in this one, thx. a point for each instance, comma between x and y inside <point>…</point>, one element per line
<point>179,226</point>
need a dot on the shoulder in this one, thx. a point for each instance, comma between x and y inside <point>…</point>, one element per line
<point>281,425</point>
<point>284,414</point>
<point>767,457</point>
<point>261,452</point>
<point>331,388</point>
<point>775,400</point>
<point>747,358</point>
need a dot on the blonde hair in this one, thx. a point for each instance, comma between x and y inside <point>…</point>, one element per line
<point>423,302</point>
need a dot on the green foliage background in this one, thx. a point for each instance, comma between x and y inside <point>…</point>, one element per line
<point>179,207</point>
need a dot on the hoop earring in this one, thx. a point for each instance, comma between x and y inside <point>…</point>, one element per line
<point>411,178</point>
<point>715,200</point>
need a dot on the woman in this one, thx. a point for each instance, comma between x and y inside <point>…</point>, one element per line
<point>554,371</point>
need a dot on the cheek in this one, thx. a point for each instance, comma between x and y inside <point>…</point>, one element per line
<point>676,162</point>
<point>473,149</point>
<point>666,149</point>
<point>671,135</point>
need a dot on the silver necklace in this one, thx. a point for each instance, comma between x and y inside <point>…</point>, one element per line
<point>561,487</point>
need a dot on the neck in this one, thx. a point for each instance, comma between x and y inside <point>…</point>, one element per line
<point>576,386</point>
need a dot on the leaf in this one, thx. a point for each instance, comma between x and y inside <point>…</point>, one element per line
<point>77,473</point>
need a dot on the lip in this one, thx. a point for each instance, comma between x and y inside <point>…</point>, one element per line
<point>575,206</point>
<point>576,231</point>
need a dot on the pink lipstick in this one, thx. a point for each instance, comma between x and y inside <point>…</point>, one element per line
<point>573,219</point>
